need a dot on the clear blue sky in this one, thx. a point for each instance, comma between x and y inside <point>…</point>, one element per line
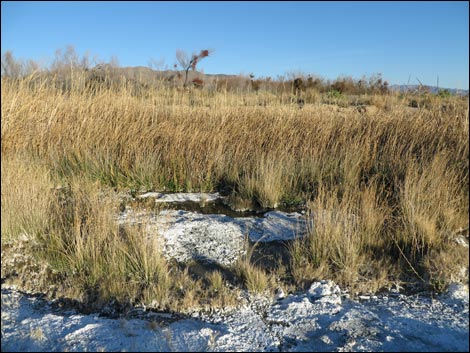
<point>401,40</point>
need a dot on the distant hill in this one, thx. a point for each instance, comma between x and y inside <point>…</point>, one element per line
<point>145,74</point>
<point>432,89</point>
<point>148,75</point>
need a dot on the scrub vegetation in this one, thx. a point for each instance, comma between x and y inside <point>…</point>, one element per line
<point>383,176</point>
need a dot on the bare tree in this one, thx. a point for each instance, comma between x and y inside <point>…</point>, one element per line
<point>155,64</point>
<point>65,62</point>
<point>114,62</point>
<point>11,67</point>
<point>189,63</point>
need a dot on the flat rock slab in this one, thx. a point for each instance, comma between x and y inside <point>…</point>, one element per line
<point>275,226</point>
<point>212,237</point>
<point>181,197</point>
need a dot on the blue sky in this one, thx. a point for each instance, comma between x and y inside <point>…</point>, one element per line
<point>401,40</point>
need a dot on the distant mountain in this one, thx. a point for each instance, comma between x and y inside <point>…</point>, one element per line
<point>432,89</point>
<point>143,73</point>
<point>146,74</point>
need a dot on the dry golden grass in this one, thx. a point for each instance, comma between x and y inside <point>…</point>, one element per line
<point>26,194</point>
<point>255,279</point>
<point>386,188</point>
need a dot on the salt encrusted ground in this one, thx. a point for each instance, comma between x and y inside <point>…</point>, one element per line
<point>214,238</point>
<point>320,319</point>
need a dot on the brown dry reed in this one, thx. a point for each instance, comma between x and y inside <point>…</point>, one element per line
<point>386,188</point>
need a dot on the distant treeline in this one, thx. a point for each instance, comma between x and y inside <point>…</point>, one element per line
<point>69,70</point>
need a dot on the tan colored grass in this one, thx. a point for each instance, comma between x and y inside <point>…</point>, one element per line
<point>216,282</point>
<point>255,279</point>
<point>345,233</point>
<point>433,203</point>
<point>26,189</point>
<point>388,183</point>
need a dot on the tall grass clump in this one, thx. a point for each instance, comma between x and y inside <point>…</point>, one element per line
<point>26,189</point>
<point>435,208</point>
<point>433,204</point>
<point>253,277</point>
<point>89,256</point>
<point>345,240</point>
<point>106,262</point>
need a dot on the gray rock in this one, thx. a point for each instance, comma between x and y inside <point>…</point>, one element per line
<point>325,291</point>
